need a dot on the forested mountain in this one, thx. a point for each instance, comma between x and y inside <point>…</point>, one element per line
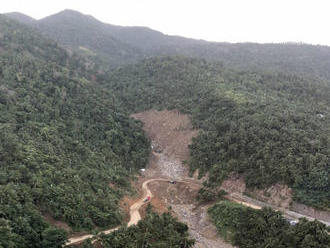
<point>65,134</point>
<point>269,127</point>
<point>85,34</point>
<point>121,45</point>
<point>22,18</point>
<point>62,141</point>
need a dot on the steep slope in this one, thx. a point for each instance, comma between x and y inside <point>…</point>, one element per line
<point>246,227</point>
<point>62,141</point>
<point>86,34</point>
<point>270,127</point>
<point>78,31</point>
<point>120,45</point>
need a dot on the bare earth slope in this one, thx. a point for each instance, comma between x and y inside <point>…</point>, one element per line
<point>171,133</point>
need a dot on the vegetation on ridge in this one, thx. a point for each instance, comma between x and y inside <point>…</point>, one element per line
<point>269,127</point>
<point>249,228</point>
<point>64,136</point>
<point>154,230</point>
<point>118,45</point>
<point>62,141</point>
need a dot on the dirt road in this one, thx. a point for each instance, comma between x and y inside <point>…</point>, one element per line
<point>135,216</point>
<point>171,133</point>
<point>134,209</point>
<point>134,213</point>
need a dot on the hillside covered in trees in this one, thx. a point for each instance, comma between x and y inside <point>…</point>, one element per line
<point>153,231</point>
<point>249,228</point>
<point>65,131</point>
<point>268,127</point>
<point>119,45</point>
<point>62,141</point>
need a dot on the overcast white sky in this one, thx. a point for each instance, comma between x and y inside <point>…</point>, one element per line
<point>215,20</point>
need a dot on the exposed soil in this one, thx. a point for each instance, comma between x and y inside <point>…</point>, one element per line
<point>57,223</point>
<point>278,195</point>
<point>314,213</point>
<point>170,130</point>
<point>234,183</point>
<point>171,133</point>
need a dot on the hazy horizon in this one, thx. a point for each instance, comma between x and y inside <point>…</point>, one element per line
<point>236,21</point>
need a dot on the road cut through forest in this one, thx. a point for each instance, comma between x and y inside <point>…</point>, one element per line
<point>170,133</point>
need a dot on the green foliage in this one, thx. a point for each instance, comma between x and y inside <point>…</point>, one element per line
<point>87,36</point>
<point>122,45</point>
<point>249,228</point>
<point>206,195</point>
<point>8,239</point>
<point>270,127</point>
<point>63,139</point>
<point>157,231</point>
<point>311,235</point>
<point>53,238</point>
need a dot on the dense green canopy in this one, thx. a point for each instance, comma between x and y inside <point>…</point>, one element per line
<point>156,231</point>
<point>65,134</point>
<point>62,141</point>
<point>269,127</point>
<point>250,228</point>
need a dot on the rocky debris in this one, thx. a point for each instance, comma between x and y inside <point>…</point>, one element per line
<point>279,195</point>
<point>234,183</point>
<point>171,133</point>
<point>156,147</point>
<point>170,130</point>
<point>199,225</point>
<point>171,168</point>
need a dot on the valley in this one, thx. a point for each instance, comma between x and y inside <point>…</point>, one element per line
<point>171,133</point>
<point>229,143</point>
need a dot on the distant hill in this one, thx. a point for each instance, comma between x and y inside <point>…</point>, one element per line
<point>122,45</point>
<point>128,44</point>
<point>22,18</point>
<point>85,34</point>
<point>65,132</point>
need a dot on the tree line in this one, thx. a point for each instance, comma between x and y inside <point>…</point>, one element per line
<point>63,139</point>
<point>269,127</point>
<point>249,228</point>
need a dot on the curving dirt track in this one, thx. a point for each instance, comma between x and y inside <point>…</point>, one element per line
<point>171,133</point>
<point>134,210</point>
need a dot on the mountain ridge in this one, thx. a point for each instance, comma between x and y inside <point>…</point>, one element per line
<point>120,45</point>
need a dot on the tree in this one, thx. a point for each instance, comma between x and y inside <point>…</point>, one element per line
<point>53,238</point>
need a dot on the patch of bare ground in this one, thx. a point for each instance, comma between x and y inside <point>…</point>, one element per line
<point>278,195</point>
<point>234,183</point>
<point>125,204</point>
<point>57,223</point>
<point>170,130</point>
<point>312,212</point>
<point>171,133</point>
